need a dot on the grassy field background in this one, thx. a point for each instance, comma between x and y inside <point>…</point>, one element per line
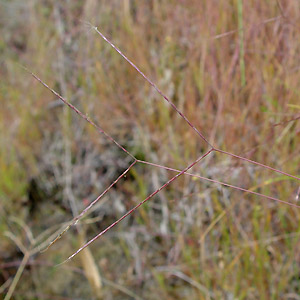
<point>232,67</point>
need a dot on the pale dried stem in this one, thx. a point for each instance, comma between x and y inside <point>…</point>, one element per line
<point>17,276</point>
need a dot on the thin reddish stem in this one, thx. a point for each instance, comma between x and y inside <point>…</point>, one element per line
<point>257,163</point>
<point>288,121</point>
<point>81,114</point>
<point>102,194</point>
<point>221,183</point>
<point>154,86</point>
<point>138,205</point>
<point>77,218</point>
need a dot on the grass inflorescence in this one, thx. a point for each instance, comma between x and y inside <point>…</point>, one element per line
<point>229,75</point>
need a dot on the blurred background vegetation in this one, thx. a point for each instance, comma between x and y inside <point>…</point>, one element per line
<point>232,67</point>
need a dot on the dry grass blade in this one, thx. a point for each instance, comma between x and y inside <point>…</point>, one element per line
<point>91,269</point>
